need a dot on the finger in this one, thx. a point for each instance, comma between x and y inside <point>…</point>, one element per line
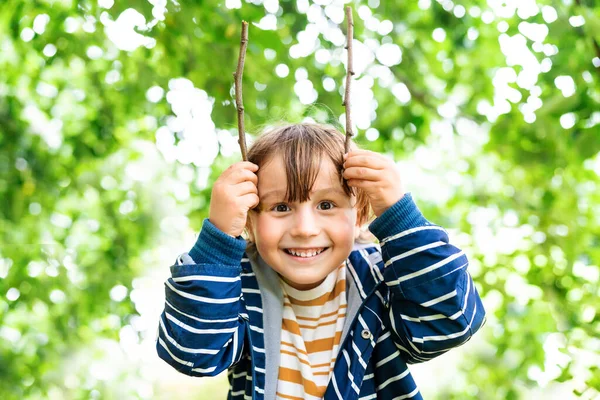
<point>363,184</point>
<point>357,152</point>
<point>362,173</point>
<point>247,165</point>
<point>242,175</point>
<point>251,200</point>
<point>363,151</point>
<point>243,188</point>
<point>241,165</point>
<point>365,160</point>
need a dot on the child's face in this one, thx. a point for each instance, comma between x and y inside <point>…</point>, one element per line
<point>326,223</point>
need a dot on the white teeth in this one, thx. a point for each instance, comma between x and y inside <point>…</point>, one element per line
<point>305,254</point>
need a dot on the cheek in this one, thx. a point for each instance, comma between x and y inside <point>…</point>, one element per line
<point>266,231</point>
<point>346,226</point>
<point>351,217</point>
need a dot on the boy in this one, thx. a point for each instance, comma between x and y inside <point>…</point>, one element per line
<point>300,310</point>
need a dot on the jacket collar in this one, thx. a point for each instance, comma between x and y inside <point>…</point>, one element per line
<point>361,282</point>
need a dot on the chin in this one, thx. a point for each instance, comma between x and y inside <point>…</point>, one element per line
<point>304,283</point>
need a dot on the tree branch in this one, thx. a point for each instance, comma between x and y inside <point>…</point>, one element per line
<point>350,72</point>
<point>239,102</point>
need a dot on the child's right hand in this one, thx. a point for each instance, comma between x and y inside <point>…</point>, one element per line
<point>234,193</point>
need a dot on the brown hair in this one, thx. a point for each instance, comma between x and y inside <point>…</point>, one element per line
<point>302,147</point>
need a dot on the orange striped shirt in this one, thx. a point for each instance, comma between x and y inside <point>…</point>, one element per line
<point>311,332</point>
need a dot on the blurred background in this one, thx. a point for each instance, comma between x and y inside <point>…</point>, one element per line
<point>117,116</point>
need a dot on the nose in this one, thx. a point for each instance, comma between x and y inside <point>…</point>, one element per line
<point>306,223</point>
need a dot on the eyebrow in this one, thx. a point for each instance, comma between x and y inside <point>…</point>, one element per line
<point>312,193</point>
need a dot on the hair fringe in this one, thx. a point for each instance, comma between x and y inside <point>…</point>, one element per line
<point>302,147</point>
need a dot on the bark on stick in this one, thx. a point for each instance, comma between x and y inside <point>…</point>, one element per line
<point>350,72</point>
<point>239,102</point>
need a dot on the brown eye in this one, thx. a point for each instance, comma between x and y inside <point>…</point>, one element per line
<point>326,205</point>
<point>281,208</point>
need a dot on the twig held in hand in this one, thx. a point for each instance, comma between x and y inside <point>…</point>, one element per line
<point>350,72</point>
<point>238,90</point>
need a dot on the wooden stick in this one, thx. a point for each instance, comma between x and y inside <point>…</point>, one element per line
<point>349,74</point>
<point>239,102</point>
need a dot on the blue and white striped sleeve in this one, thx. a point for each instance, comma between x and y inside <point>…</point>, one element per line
<point>434,304</point>
<point>201,332</point>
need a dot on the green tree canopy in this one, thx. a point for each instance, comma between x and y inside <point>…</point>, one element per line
<point>113,114</point>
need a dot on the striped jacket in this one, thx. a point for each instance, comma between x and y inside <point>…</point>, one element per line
<point>410,299</point>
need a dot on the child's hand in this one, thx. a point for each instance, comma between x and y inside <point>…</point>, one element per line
<point>233,194</point>
<point>377,175</point>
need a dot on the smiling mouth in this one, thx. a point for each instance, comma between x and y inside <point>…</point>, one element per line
<point>305,253</point>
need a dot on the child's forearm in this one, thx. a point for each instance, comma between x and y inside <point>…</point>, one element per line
<point>435,305</point>
<point>201,331</point>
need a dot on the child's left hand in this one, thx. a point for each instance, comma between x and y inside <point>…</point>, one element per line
<point>377,175</point>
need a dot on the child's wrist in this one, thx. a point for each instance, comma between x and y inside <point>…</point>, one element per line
<point>378,211</point>
<point>221,228</point>
<point>215,246</point>
<point>403,215</point>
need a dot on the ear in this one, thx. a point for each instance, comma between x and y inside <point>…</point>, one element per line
<point>250,226</point>
<point>357,226</point>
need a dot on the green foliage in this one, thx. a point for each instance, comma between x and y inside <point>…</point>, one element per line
<point>86,176</point>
